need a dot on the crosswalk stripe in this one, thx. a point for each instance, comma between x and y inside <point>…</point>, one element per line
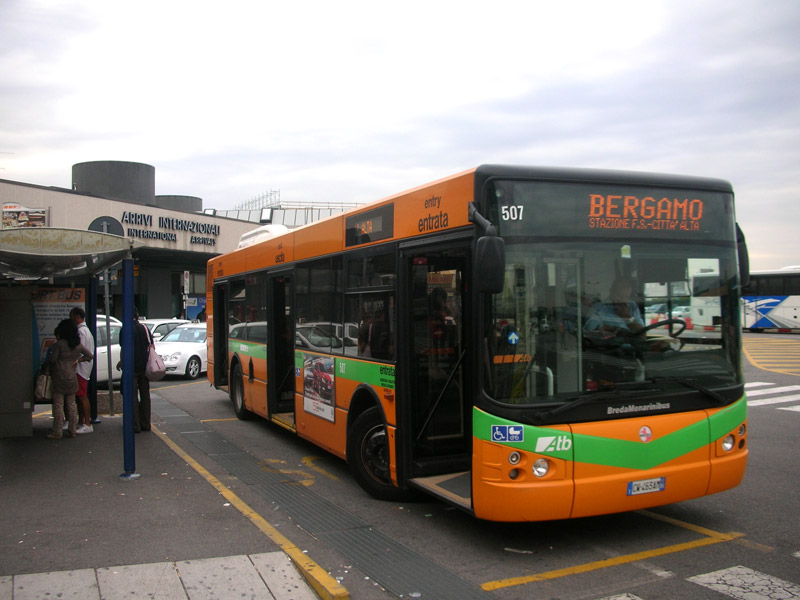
<point>777,390</point>
<point>746,584</point>
<point>754,384</point>
<point>778,400</point>
<point>771,390</point>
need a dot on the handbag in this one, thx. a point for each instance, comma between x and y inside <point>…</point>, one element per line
<point>155,369</point>
<point>44,387</point>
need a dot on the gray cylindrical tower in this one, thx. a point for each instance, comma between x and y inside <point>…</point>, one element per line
<point>180,203</point>
<point>117,180</point>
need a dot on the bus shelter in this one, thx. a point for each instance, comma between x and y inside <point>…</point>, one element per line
<point>36,259</point>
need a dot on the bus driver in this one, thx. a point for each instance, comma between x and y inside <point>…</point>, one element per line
<point>619,316</point>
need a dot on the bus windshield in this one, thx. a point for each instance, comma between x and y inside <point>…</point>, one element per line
<point>607,287</point>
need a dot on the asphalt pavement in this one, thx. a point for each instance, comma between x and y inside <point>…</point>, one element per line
<point>75,525</point>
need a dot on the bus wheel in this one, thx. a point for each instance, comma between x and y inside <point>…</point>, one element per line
<point>368,456</point>
<point>237,394</point>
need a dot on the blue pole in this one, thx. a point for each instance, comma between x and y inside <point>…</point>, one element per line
<point>91,323</point>
<point>127,366</point>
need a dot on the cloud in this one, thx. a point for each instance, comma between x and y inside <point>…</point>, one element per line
<point>355,101</point>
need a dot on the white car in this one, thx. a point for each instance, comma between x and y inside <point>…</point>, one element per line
<point>184,350</point>
<point>101,350</point>
<point>101,320</point>
<point>161,327</point>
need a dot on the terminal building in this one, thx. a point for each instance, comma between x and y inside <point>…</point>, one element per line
<point>58,239</point>
<point>174,236</point>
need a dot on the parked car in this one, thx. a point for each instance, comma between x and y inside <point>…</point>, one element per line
<point>101,320</point>
<point>101,350</point>
<point>317,339</point>
<point>161,327</point>
<point>347,333</point>
<point>184,350</point>
<point>654,310</point>
<point>681,312</point>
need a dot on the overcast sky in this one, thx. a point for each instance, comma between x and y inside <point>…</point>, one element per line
<point>353,101</point>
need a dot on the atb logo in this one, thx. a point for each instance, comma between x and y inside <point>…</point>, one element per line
<point>553,443</point>
<point>508,433</point>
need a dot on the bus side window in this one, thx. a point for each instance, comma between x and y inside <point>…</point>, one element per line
<point>374,314</point>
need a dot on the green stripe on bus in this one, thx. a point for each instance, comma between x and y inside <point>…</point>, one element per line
<point>606,451</point>
<point>252,349</point>
<point>728,419</point>
<point>364,372</point>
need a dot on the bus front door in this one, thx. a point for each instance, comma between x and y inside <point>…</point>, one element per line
<point>439,407</point>
<point>220,333</point>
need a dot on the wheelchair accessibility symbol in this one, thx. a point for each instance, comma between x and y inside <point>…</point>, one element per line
<point>508,433</point>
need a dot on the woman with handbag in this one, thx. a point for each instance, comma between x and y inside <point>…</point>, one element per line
<point>142,340</point>
<point>67,352</point>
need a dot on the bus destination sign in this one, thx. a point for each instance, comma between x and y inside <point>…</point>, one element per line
<point>615,211</point>
<point>601,210</point>
<point>371,226</point>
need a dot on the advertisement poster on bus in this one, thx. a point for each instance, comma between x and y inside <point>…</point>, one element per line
<point>319,386</point>
<point>50,306</point>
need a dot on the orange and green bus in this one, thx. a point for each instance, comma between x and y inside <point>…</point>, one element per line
<point>485,338</point>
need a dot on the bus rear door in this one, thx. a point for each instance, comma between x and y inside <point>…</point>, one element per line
<point>280,351</point>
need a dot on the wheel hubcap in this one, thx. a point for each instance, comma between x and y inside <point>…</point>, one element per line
<point>375,454</point>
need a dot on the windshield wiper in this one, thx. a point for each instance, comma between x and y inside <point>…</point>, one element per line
<point>690,383</point>
<point>576,401</point>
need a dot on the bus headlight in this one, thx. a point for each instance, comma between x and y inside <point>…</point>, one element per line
<point>514,458</point>
<point>728,443</point>
<point>540,467</point>
<point>742,429</point>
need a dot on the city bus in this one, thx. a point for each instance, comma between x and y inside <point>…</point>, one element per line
<point>771,301</point>
<point>467,339</point>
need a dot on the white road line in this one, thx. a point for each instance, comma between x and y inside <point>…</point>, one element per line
<point>777,390</point>
<point>778,400</point>
<point>746,584</point>
<point>793,408</point>
<point>754,384</point>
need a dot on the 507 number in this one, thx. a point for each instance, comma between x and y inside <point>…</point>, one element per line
<point>511,213</point>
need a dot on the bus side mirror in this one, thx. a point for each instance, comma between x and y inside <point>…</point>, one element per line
<point>490,264</point>
<point>744,257</point>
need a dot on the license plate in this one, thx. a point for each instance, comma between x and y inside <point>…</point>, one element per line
<point>646,486</point>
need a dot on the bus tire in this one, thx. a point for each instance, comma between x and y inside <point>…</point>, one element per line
<point>368,456</point>
<point>237,394</point>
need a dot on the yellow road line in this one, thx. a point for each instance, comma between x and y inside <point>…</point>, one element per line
<point>324,585</point>
<point>217,420</point>
<point>610,562</point>
<point>754,545</point>
<point>770,355</point>
<point>309,462</point>
<point>678,523</point>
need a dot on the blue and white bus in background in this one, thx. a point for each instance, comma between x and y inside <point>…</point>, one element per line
<point>771,301</point>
